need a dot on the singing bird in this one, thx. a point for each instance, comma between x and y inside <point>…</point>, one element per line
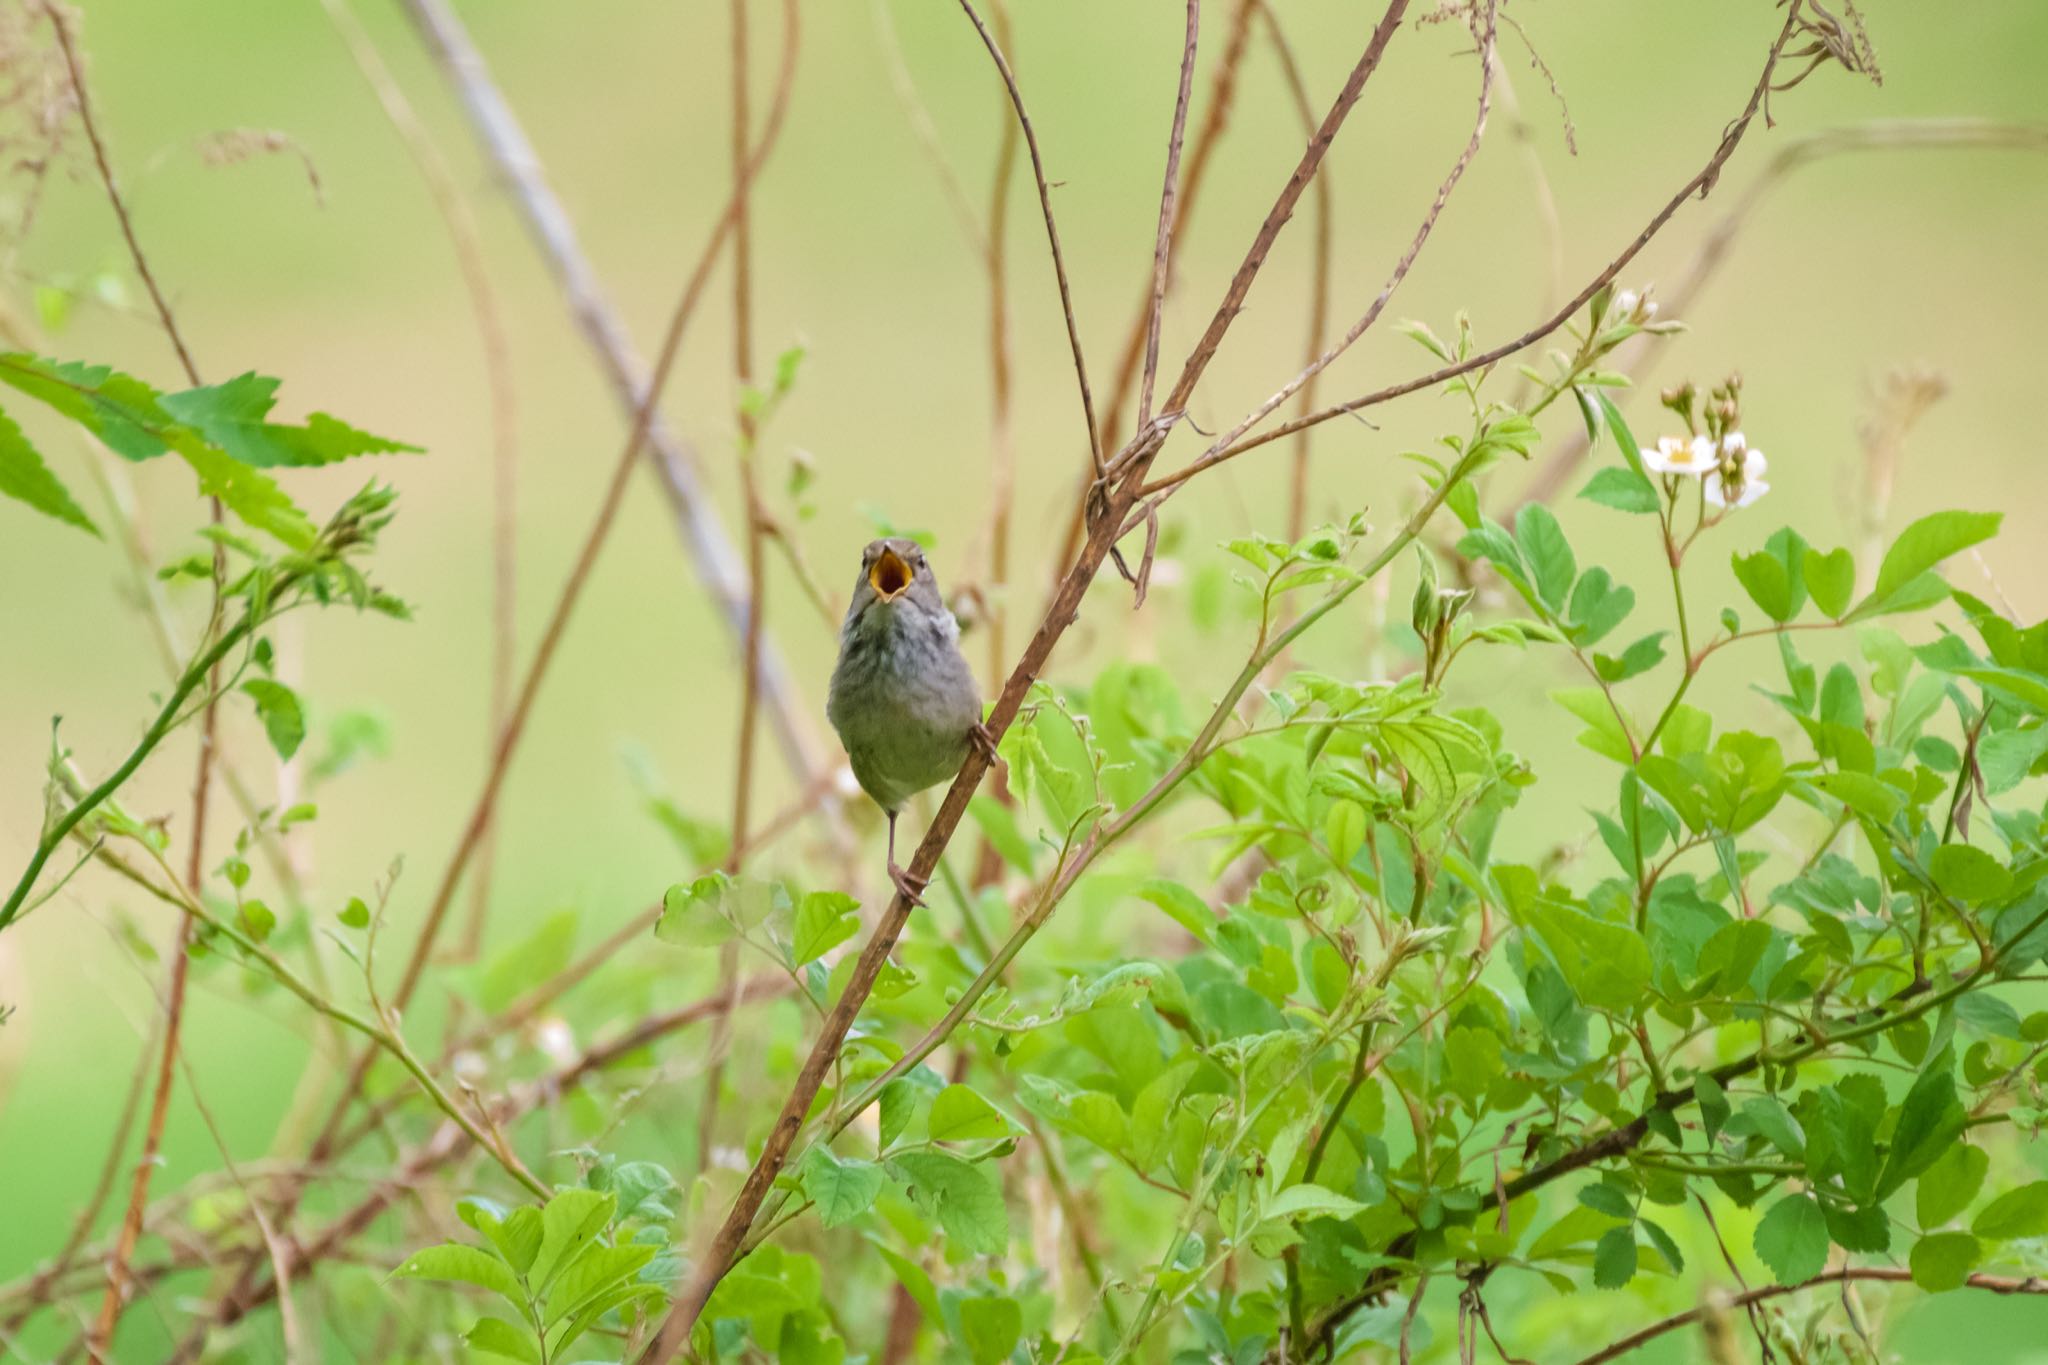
<point>903,699</point>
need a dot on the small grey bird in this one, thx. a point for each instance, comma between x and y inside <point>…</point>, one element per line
<point>903,699</point>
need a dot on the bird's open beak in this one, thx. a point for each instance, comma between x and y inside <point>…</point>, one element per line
<point>890,576</point>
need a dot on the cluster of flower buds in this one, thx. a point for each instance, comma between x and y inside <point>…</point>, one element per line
<point>1713,449</point>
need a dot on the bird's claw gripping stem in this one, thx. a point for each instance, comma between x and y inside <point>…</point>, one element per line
<point>984,741</point>
<point>909,886</point>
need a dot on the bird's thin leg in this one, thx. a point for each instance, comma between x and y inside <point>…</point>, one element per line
<point>911,888</point>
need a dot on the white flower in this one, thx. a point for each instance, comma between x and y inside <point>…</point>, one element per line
<point>1717,496</point>
<point>1739,467</point>
<point>1693,456</point>
<point>1649,310</point>
<point>1625,304</point>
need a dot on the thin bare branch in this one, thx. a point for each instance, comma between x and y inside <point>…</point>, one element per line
<point>1701,182</point>
<point>750,495</point>
<point>1484,22</point>
<point>1162,244</point>
<point>488,314</point>
<point>101,1334</point>
<point>1996,1284</point>
<point>510,152</point>
<point>1052,231</point>
<point>1319,269</point>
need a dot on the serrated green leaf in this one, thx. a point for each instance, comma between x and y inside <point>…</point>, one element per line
<point>231,415</point>
<point>1792,1239</point>
<point>843,1189</point>
<point>963,1198</point>
<point>250,495</point>
<point>594,1270</point>
<point>26,478</point>
<point>1614,1258</point>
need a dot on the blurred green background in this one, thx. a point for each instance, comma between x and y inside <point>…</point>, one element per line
<point>1855,266</point>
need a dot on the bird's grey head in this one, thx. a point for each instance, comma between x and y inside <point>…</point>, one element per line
<point>894,573</point>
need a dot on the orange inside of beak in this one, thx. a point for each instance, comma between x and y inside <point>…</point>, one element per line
<point>890,576</point>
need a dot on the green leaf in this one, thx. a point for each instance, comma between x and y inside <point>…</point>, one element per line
<point>1769,583</point>
<point>1614,1258</point>
<point>1830,578</point>
<point>25,478</point>
<point>714,908</point>
<point>990,1328</point>
<point>1640,657</point>
<point>1183,906</point>
<point>960,1114</point>
<point>998,824</point>
<point>117,408</point>
<point>1311,1201</point>
<point>455,1263</point>
<point>842,1189</point>
<point>2016,1213</point>
<point>1792,1239</point>
<point>894,1107</point>
<point>824,920</point>
<point>1944,1260</point>
<point>498,1337</point>
<point>1968,874</point>
<point>1947,1187</point>
<point>1548,553</point>
<point>914,1280</point>
<point>570,1221</point>
<point>249,494</point>
<point>1624,439</point>
<point>1930,1119</point>
<point>963,1198</point>
<point>1343,831</point>
<point>595,1270</point>
<point>1597,606</point>
<point>1919,548</point>
<point>1622,489</point>
<point>230,416</point>
<point>1607,964</point>
<point>278,707</point>
<point>518,1237</point>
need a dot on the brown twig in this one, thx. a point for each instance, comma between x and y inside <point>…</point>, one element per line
<point>1215,121</point>
<point>1319,271</point>
<point>488,315</point>
<point>1052,231</point>
<point>750,645</point>
<point>1162,243</point>
<point>720,1254</point>
<point>1996,1284</point>
<point>101,1336</point>
<point>510,152</point>
<point>1486,34</point>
